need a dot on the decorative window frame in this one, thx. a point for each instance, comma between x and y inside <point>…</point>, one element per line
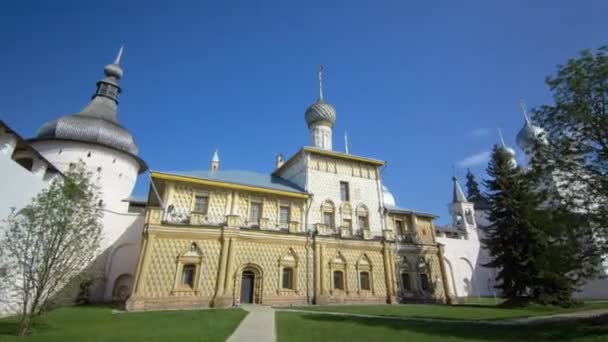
<point>254,199</point>
<point>340,265</point>
<point>364,264</point>
<point>283,204</point>
<point>362,211</point>
<point>289,259</point>
<point>191,256</point>
<point>329,207</point>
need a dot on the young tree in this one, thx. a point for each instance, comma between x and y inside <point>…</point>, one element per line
<point>49,242</point>
<point>514,242</point>
<point>577,127</point>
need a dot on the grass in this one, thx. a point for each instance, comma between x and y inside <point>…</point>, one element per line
<point>294,327</point>
<point>99,324</point>
<point>456,312</point>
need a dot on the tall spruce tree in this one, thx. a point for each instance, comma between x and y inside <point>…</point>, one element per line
<point>514,241</point>
<point>472,186</point>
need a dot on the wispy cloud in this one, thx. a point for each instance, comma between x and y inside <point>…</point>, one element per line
<point>475,159</point>
<point>480,132</point>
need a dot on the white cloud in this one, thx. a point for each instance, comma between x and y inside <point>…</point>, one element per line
<point>475,159</point>
<point>480,132</point>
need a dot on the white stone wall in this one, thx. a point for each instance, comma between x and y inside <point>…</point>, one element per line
<point>17,188</point>
<point>324,176</point>
<point>116,171</point>
<point>466,275</point>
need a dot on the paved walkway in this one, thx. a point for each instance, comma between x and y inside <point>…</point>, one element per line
<point>508,321</point>
<point>258,326</point>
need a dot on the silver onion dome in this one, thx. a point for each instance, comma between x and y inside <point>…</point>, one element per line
<point>320,112</point>
<point>527,135</point>
<point>97,122</point>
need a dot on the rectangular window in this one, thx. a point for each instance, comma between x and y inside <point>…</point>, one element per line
<point>424,282</point>
<point>338,280</point>
<point>364,279</point>
<point>399,227</point>
<point>405,281</point>
<point>328,220</point>
<point>344,193</point>
<point>363,222</point>
<point>284,216</point>
<point>288,278</point>
<point>201,204</point>
<point>188,275</point>
<point>255,212</point>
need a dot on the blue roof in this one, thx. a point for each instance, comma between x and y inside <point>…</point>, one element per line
<point>260,180</point>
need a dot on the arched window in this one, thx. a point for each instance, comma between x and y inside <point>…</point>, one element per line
<point>405,281</point>
<point>338,268</point>
<point>288,278</point>
<point>468,214</point>
<point>363,217</point>
<point>328,210</point>
<point>338,280</point>
<point>288,270</point>
<point>364,280</point>
<point>188,269</point>
<point>424,282</point>
<point>188,275</point>
<point>364,268</point>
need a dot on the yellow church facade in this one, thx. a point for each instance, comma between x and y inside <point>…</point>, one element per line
<point>321,228</point>
<point>220,243</point>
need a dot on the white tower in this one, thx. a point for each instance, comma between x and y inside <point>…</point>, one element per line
<point>321,117</point>
<point>95,136</point>
<point>461,210</point>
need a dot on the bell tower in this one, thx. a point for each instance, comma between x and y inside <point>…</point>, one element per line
<point>461,210</point>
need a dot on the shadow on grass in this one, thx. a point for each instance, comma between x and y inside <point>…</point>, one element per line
<point>8,328</point>
<point>558,331</point>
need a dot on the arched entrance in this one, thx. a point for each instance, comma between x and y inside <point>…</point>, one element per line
<point>250,287</point>
<point>247,286</point>
<point>122,287</point>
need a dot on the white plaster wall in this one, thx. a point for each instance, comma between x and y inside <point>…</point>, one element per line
<point>18,187</point>
<point>481,278</point>
<point>326,185</point>
<point>123,254</point>
<point>116,171</point>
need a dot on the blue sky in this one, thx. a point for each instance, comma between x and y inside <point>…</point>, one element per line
<point>419,84</point>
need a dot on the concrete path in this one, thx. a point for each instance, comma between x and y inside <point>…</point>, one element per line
<point>508,321</point>
<point>258,326</point>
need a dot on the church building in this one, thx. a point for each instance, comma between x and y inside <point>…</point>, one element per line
<point>321,228</point>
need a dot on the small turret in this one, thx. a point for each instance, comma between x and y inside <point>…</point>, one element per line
<point>279,161</point>
<point>215,161</point>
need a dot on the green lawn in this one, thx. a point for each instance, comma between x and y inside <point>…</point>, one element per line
<point>468,312</point>
<point>294,327</point>
<point>99,324</point>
